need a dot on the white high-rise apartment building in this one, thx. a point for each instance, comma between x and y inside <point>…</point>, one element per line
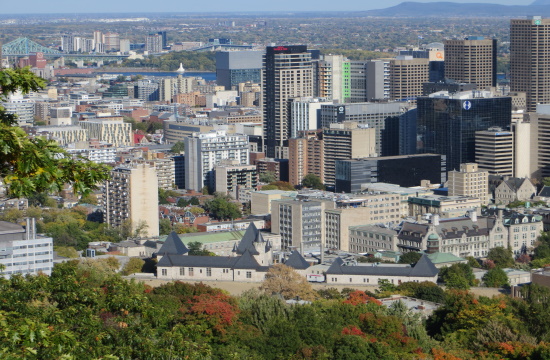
<point>203,151</point>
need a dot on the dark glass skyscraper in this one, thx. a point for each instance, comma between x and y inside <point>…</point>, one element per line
<point>287,74</point>
<point>447,123</point>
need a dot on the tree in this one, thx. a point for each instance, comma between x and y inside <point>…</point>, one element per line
<point>502,257</point>
<point>458,276</point>
<point>88,199</point>
<point>182,203</point>
<point>66,251</point>
<point>495,278</point>
<point>282,279</point>
<point>29,166</point>
<point>196,248</point>
<point>133,266</point>
<point>164,227</point>
<point>472,261</point>
<point>410,258</point>
<point>313,181</point>
<point>178,147</point>
<point>194,201</point>
<point>222,208</point>
<point>542,251</point>
<point>268,177</point>
<point>283,185</point>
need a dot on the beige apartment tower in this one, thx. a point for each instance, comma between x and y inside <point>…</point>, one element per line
<point>306,156</point>
<point>132,194</point>
<point>287,74</point>
<point>469,181</point>
<point>529,53</point>
<point>407,76</point>
<point>472,61</point>
<point>495,151</point>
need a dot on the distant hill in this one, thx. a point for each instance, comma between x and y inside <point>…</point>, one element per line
<point>452,9</point>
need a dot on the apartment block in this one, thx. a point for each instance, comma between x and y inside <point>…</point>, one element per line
<point>115,132</point>
<point>306,156</point>
<point>132,194</point>
<point>469,181</point>
<point>230,178</point>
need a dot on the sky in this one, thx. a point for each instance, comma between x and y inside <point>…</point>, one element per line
<point>179,6</point>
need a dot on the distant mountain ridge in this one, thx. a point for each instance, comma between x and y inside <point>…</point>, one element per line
<point>452,9</point>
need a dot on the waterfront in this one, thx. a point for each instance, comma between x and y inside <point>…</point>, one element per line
<point>208,76</point>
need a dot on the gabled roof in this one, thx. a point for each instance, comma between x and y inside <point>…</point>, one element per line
<point>297,261</point>
<point>336,267</point>
<point>515,183</point>
<point>545,192</point>
<point>251,236</point>
<point>424,267</point>
<point>245,261</point>
<point>173,246</point>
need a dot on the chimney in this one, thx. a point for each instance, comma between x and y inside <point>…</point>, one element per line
<point>435,219</point>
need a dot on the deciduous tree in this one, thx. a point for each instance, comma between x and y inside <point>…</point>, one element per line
<point>282,279</point>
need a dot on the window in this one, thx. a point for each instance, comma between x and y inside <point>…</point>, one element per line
<point>164,272</point>
<point>191,272</point>
<point>208,271</point>
<point>182,271</point>
<point>249,274</point>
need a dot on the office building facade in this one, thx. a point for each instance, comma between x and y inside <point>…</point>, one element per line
<point>235,67</point>
<point>345,141</point>
<point>495,151</point>
<point>406,171</point>
<point>407,76</point>
<point>447,123</point>
<point>473,61</point>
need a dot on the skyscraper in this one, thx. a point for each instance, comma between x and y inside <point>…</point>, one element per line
<point>529,52</point>
<point>235,67</point>
<point>473,60</point>
<point>446,123</point>
<point>407,76</point>
<point>287,73</point>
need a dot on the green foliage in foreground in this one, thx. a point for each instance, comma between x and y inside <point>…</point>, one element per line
<point>86,311</point>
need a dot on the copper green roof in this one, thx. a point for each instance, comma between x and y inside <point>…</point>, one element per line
<point>439,258</point>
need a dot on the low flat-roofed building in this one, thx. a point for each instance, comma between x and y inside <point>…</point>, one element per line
<point>371,239</point>
<point>446,206</point>
<point>261,200</point>
<point>22,251</point>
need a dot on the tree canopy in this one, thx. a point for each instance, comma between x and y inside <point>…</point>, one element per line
<point>410,258</point>
<point>501,256</point>
<point>458,276</point>
<point>29,166</point>
<point>313,181</point>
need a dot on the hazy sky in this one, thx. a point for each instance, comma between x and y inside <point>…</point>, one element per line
<point>109,6</point>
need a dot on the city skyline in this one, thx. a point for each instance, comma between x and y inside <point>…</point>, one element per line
<point>287,6</point>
